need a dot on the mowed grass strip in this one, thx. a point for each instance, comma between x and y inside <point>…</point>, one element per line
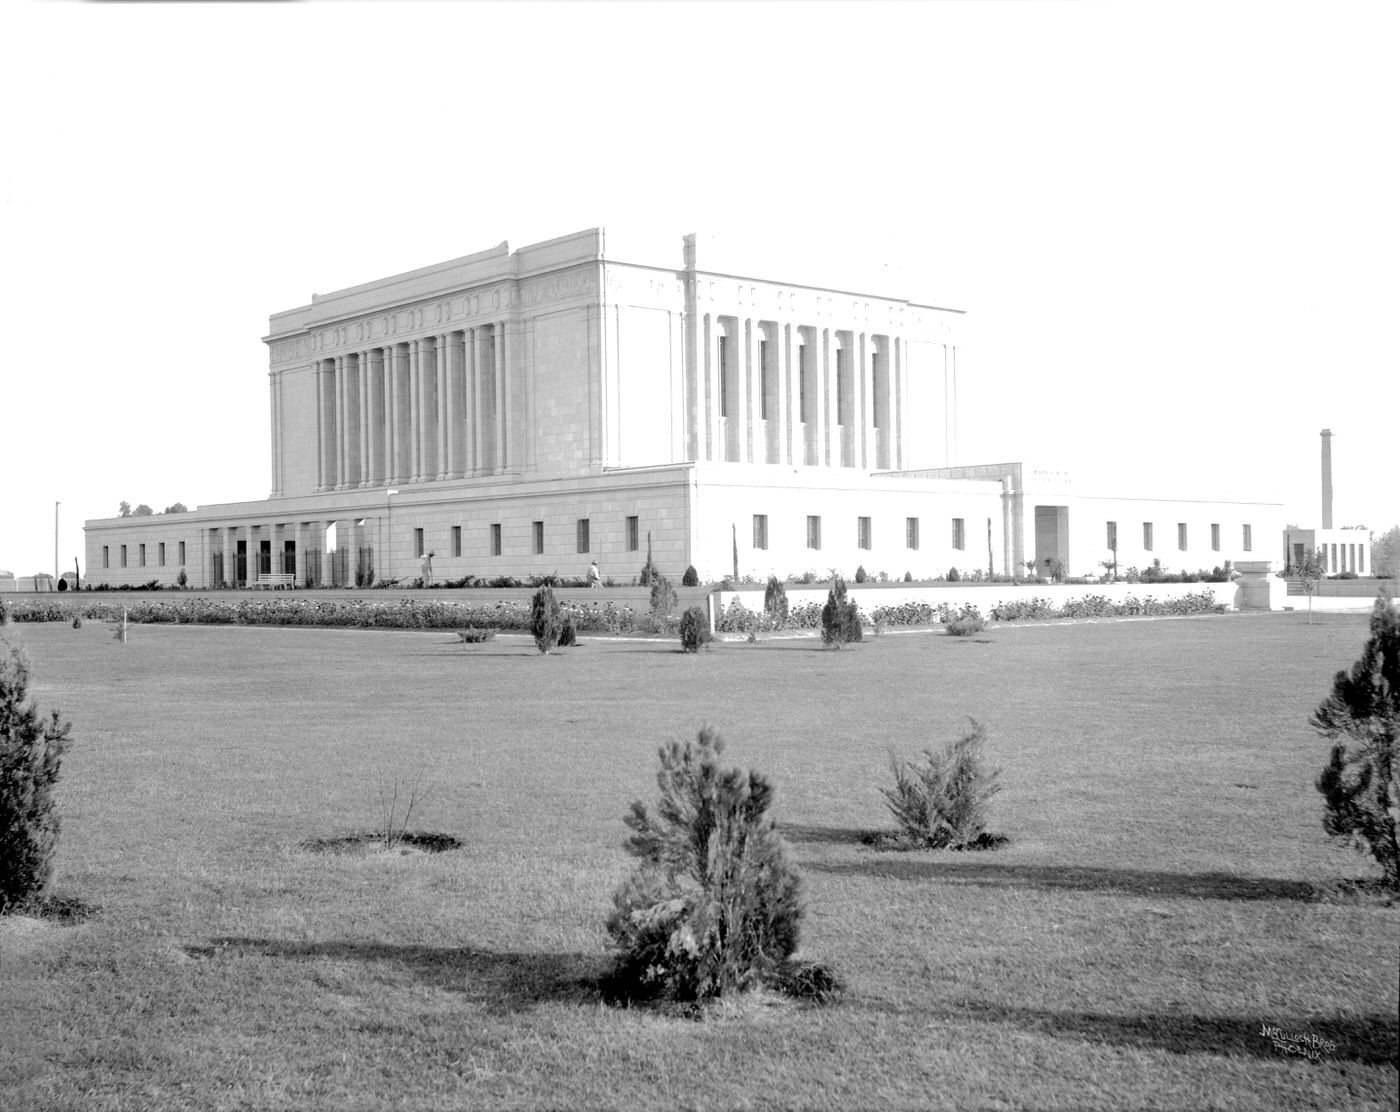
<point>1167,891</point>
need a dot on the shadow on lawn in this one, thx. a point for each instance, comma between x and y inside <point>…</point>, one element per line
<point>503,982</point>
<point>1079,878</point>
<point>1370,1040</point>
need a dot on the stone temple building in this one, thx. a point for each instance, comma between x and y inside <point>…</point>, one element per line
<point>528,412</point>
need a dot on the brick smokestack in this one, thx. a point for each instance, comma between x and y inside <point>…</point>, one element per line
<point>1327,478</point>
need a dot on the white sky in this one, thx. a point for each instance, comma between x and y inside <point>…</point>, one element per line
<point>1174,227</point>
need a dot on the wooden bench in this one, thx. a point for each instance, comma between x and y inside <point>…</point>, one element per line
<point>275,580</point>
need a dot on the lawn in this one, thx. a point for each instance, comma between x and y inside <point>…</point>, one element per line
<point>1166,894</point>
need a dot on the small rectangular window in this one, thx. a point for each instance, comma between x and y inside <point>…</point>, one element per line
<point>911,532</point>
<point>814,531</point>
<point>496,539</point>
<point>760,530</point>
<point>1249,538</point>
<point>959,534</point>
<point>182,553</point>
<point>161,551</point>
<point>863,532</point>
<point>106,556</point>
<point>538,530</point>
<point>1112,537</point>
<point>634,535</point>
<point>418,548</point>
<point>583,534</point>
<point>123,555</point>
<point>141,555</point>
<point>456,540</point>
<point>1147,536</point>
<point>1181,535</point>
<point>1215,537</point>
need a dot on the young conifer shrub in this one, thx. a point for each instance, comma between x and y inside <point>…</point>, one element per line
<point>546,621</point>
<point>1362,719</point>
<point>691,578</point>
<point>941,803</point>
<point>568,633</point>
<point>31,751</point>
<point>663,596</point>
<point>775,600</point>
<point>695,629</point>
<point>840,617</point>
<point>714,905</point>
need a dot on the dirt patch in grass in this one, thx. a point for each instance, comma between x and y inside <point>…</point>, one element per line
<point>370,844</point>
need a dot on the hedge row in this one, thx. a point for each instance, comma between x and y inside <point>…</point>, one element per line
<point>343,614</point>
<point>1097,606</point>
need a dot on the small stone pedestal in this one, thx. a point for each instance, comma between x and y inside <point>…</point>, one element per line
<point>1258,588</point>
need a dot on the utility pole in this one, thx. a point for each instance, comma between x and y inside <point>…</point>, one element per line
<point>55,544</point>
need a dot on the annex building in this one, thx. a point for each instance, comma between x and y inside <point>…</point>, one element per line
<point>526,412</point>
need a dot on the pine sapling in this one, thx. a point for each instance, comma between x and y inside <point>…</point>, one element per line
<point>1362,719</point>
<point>31,752</point>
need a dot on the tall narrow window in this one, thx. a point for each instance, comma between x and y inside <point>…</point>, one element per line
<point>634,535</point>
<point>456,540</point>
<point>106,556</point>
<point>911,532</point>
<point>583,534</point>
<point>841,390</point>
<point>1248,538</point>
<point>1112,536</point>
<point>123,555</point>
<point>760,530</point>
<point>418,549</point>
<point>802,412</point>
<point>1147,536</point>
<point>1181,535</point>
<point>1215,537</point>
<point>763,378</point>
<point>160,551</point>
<point>496,539</point>
<point>141,555</point>
<point>814,532</point>
<point>863,532</point>
<point>182,553</point>
<point>537,528</point>
<point>959,534</point>
<point>724,376</point>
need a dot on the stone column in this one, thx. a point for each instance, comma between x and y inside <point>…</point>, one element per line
<point>828,431</point>
<point>897,387</point>
<point>318,375</point>
<point>415,411</point>
<point>230,557</point>
<point>502,401</point>
<point>480,417</point>
<point>712,376</point>
<point>451,416</point>
<point>340,437</point>
<point>753,432</point>
<point>362,417</point>
<point>860,398</point>
<point>781,414</point>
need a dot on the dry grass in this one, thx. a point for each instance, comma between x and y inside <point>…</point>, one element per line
<point>1167,890</point>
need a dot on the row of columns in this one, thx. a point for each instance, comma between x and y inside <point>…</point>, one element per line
<point>794,394</point>
<point>431,408</point>
<point>310,541</point>
<point>1343,557</point>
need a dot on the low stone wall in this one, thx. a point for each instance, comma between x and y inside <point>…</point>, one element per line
<point>984,596</point>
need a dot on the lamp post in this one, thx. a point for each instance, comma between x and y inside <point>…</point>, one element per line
<point>55,544</point>
<point>386,529</point>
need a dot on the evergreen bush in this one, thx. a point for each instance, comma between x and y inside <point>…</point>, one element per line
<point>840,617</point>
<point>1362,718</point>
<point>546,621</point>
<point>31,751</point>
<point>942,802</point>
<point>568,633</point>
<point>714,906</point>
<point>691,578</point>
<point>663,596</point>
<point>695,629</point>
<point>775,600</point>
<point>860,573</point>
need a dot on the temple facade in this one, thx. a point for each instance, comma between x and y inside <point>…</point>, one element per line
<point>528,412</point>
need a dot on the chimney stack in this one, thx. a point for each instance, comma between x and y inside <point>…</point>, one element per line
<point>1327,478</point>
